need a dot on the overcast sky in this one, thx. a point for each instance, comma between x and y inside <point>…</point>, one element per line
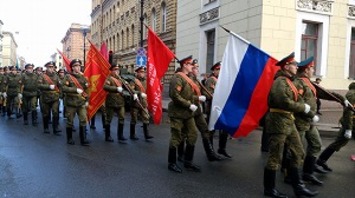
<point>42,24</point>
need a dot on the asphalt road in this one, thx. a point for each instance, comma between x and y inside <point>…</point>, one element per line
<point>34,164</point>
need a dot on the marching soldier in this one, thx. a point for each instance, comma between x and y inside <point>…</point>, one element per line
<point>76,99</point>
<point>115,103</point>
<point>61,76</point>
<point>29,92</point>
<point>283,102</point>
<point>2,91</point>
<point>210,85</point>
<point>13,91</point>
<point>139,107</point>
<point>184,100</point>
<point>48,83</point>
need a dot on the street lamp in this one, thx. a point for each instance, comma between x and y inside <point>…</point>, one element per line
<point>141,19</point>
<point>85,30</point>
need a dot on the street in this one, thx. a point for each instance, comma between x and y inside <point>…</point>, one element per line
<point>34,164</point>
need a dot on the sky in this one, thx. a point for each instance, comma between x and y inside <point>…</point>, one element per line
<point>42,24</point>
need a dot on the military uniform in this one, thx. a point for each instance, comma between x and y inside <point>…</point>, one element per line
<point>13,91</point>
<point>49,85</point>
<point>115,103</point>
<point>139,85</point>
<point>2,91</point>
<point>223,135</point>
<point>76,89</point>
<point>181,113</point>
<point>283,102</point>
<point>345,132</point>
<point>29,92</point>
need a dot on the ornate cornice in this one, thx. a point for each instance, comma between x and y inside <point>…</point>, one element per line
<point>209,15</point>
<point>317,6</point>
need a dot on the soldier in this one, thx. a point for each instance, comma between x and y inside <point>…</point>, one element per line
<point>345,132</point>
<point>76,99</point>
<point>49,85</point>
<point>115,103</point>
<point>283,101</point>
<point>13,91</point>
<point>139,107</point>
<point>184,100</point>
<point>210,85</point>
<point>61,76</point>
<point>29,92</point>
<point>2,91</point>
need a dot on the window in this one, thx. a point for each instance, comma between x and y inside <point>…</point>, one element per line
<point>352,55</point>
<point>163,17</point>
<point>153,20</point>
<point>122,37</point>
<point>309,42</point>
<point>127,37</point>
<point>145,29</point>
<point>210,37</point>
<point>118,42</point>
<point>132,42</point>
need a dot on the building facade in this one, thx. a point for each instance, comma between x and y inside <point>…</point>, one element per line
<point>75,43</point>
<point>9,54</point>
<point>118,24</point>
<point>324,29</point>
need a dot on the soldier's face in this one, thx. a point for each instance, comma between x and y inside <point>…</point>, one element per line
<point>310,72</point>
<point>50,68</point>
<point>141,73</point>
<point>29,69</point>
<point>292,68</point>
<point>76,68</point>
<point>14,71</point>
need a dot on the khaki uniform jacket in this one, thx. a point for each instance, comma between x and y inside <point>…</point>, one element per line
<point>47,94</point>
<point>30,84</point>
<point>114,98</point>
<point>13,83</point>
<point>72,97</point>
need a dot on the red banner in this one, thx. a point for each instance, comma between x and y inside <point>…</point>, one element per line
<point>97,69</point>
<point>104,50</point>
<point>66,61</point>
<point>159,57</point>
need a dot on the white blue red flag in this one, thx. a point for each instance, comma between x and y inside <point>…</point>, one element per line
<point>240,97</point>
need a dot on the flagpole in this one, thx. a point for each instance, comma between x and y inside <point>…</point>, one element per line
<point>234,34</point>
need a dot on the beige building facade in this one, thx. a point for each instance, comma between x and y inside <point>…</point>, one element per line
<point>118,24</point>
<point>9,48</point>
<point>324,29</point>
<point>75,43</point>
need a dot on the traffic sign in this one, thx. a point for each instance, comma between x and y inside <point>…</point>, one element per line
<point>141,52</point>
<point>141,60</point>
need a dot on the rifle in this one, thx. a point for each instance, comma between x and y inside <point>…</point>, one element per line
<point>205,89</point>
<point>130,91</point>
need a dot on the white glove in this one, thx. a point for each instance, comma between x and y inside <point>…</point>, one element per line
<point>143,95</point>
<point>315,119</point>
<point>79,90</point>
<point>135,97</point>
<point>119,89</point>
<point>4,95</point>
<point>193,107</point>
<point>307,108</point>
<point>86,104</point>
<point>19,95</point>
<point>51,87</point>
<point>347,103</point>
<point>202,98</point>
<point>347,134</point>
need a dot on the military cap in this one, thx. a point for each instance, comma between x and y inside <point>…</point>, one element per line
<point>139,68</point>
<point>29,65</point>
<point>114,66</point>
<point>306,63</point>
<point>184,60</point>
<point>12,68</point>
<point>49,63</point>
<point>216,66</point>
<point>287,60</point>
<point>75,61</point>
<point>195,62</point>
<point>60,70</point>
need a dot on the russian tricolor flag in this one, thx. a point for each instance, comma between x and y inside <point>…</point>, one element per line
<point>244,82</point>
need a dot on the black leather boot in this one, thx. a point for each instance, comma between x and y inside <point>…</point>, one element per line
<point>25,118</point>
<point>211,155</point>
<point>172,166</point>
<point>299,187</point>
<point>223,136</point>
<point>132,132</point>
<point>147,136</point>
<point>264,140</point>
<point>108,137</point>
<point>269,185</point>
<point>121,138</point>
<point>45,125</point>
<point>34,118</point>
<point>308,169</point>
<point>181,151</point>
<point>323,158</point>
<point>82,134</point>
<point>56,130</point>
<point>70,140</point>
<point>92,122</point>
<point>189,155</point>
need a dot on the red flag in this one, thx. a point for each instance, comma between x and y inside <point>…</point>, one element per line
<point>97,69</point>
<point>104,50</point>
<point>159,57</point>
<point>66,61</point>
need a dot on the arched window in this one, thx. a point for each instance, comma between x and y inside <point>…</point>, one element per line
<point>145,21</point>
<point>163,17</point>
<point>122,39</point>
<point>132,42</point>
<point>153,19</point>
<point>118,42</point>
<point>127,39</point>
